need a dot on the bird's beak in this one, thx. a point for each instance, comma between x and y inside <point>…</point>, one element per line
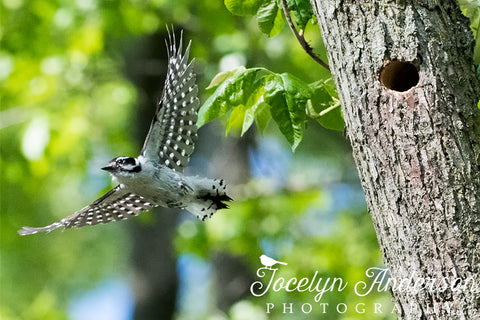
<point>109,167</point>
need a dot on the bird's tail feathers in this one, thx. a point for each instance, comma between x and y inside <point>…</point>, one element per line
<point>211,197</point>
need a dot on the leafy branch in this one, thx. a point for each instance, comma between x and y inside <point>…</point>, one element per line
<point>259,95</point>
<point>301,39</point>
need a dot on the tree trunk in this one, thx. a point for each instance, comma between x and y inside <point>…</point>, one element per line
<point>154,261</point>
<point>409,93</point>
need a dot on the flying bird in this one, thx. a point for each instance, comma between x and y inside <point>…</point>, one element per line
<point>269,262</point>
<point>155,178</point>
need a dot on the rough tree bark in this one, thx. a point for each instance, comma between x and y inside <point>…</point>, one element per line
<point>416,145</point>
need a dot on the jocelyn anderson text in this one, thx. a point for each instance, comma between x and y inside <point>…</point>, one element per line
<point>380,282</point>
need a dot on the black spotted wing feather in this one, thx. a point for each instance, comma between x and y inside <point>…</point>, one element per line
<point>173,131</point>
<point>117,204</point>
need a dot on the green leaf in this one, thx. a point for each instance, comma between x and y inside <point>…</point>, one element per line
<point>324,107</point>
<point>243,7</point>
<point>239,92</point>
<point>302,11</point>
<point>254,102</point>
<point>471,9</point>
<point>222,76</point>
<point>287,96</point>
<point>242,116</point>
<point>233,92</point>
<point>284,98</point>
<point>270,19</point>
<point>297,90</point>
<point>263,116</point>
<point>329,85</point>
<point>235,120</point>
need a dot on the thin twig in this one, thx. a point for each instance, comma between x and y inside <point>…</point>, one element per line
<point>301,38</point>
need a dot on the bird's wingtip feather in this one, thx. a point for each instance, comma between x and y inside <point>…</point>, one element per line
<point>32,230</point>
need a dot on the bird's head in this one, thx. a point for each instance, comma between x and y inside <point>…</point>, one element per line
<point>123,166</point>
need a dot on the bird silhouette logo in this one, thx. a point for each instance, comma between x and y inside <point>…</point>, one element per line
<point>269,262</point>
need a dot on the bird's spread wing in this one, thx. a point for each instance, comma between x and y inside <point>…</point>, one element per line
<point>173,131</point>
<point>117,204</point>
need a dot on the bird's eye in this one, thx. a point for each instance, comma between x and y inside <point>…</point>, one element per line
<point>130,161</point>
<point>120,161</point>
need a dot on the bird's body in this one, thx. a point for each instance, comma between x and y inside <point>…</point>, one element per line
<point>165,187</point>
<point>167,183</point>
<point>155,177</point>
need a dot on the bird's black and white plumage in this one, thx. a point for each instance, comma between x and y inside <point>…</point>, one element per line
<point>155,177</point>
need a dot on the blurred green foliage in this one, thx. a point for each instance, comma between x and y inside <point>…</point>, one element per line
<point>343,247</point>
<point>471,8</point>
<point>67,107</point>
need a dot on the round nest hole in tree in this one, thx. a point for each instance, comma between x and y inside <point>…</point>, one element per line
<point>399,76</point>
